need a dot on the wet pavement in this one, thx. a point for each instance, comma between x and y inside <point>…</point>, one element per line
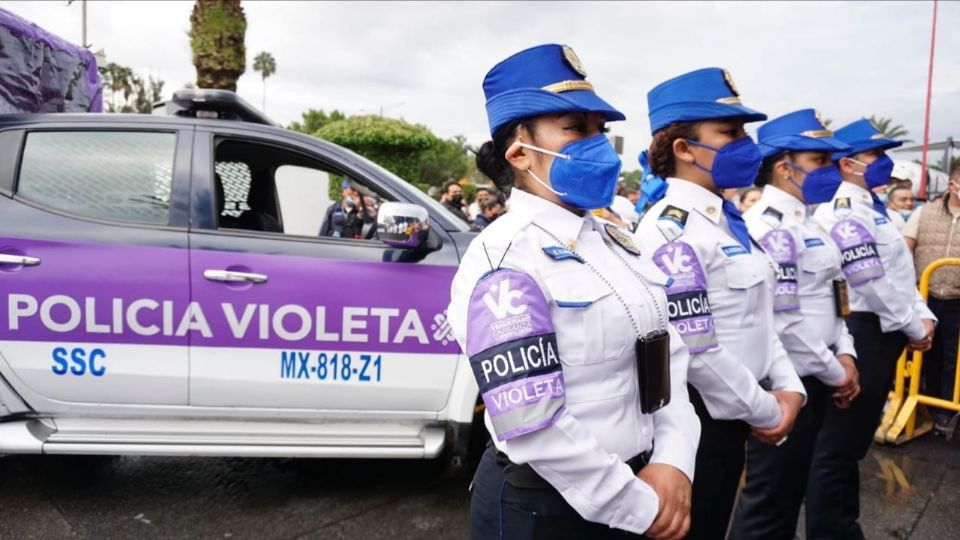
<point>911,491</point>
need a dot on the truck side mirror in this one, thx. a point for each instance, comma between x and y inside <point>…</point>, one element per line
<point>402,225</point>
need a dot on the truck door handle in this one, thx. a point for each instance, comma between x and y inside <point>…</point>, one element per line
<point>6,258</point>
<point>231,276</point>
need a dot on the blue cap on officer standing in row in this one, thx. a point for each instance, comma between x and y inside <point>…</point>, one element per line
<point>704,94</point>
<point>863,136</point>
<point>799,131</point>
<point>540,80</point>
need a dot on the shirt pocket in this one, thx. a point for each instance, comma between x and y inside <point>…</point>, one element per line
<point>890,243</point>
<point>816,260</point>
<point>744,271</point>
<point>743,274</point>
<point>587,317</point>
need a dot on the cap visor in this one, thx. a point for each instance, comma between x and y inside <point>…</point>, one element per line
<point>802,143</point>
<point>527,102</point>
<point>696,111</point>
<point>866,146</point>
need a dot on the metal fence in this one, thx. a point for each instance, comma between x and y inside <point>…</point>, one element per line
<point>906,416</point>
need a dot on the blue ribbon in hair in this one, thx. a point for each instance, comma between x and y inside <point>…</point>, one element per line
<point>652,187</point>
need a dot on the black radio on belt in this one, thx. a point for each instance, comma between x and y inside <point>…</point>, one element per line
<point>653,370</point>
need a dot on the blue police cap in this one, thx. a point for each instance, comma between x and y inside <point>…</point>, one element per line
<point>799,131</point>
<point>863,136</point>
<point>540,80</point>
<point>704,94</point>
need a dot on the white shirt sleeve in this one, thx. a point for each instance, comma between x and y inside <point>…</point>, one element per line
<point>845,345</point>
<point>729,389</point>
<point>797,337</point>
<point>782,374</point>
<point>867,275</point>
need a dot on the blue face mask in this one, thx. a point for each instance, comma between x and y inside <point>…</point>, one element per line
<point>584,173</point>
<point>735,165</point>
<point>820,184</point>
<point>877,173</point>
<point>905,214</point>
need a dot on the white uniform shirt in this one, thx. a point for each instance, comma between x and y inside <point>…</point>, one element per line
<point>876,261</point>
<point>805,314</point>
<point>721,302</point>
<point>577,420</point>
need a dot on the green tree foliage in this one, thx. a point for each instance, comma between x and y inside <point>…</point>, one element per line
<point>217,30</point>
<point>890,130</point>
<point>444,161</point>
<point>126,92</point>
<point>631,179</point>
<point>314,119</point>
<point>394,144</point>
<point>265,65</point>
<point>410,151</point>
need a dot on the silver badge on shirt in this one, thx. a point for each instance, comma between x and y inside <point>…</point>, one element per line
<point>622,238</point>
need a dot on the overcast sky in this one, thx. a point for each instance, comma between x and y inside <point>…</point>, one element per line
<point>425,61</point>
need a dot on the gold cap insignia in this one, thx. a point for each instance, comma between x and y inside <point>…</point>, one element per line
<point>729,79</point>
<point>819,117</point>
<point>574,60</point>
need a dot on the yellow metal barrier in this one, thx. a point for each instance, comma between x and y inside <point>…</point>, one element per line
<point>906,416</point>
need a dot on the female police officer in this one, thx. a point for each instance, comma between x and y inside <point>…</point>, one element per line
<point>886,313</point>
<point>563,323</point>
<point>721,295</point>
<point>809,306</point>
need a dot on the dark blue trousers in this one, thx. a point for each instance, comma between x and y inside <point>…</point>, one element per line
<point>833,491</point>
<point>499,510</point>
<point>719,467</point>
<point>769,504</point>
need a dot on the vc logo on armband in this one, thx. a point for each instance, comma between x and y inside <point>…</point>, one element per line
<point>676,260</point>
<point>847,231</point>
<point>503,305</point>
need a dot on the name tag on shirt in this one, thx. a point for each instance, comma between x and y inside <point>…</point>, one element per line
<point>731,251</point>
<point>813,242</point>
<point>880,220</point>
<point>558,253</point>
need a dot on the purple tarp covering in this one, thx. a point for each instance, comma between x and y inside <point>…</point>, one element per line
<point>40,72</point>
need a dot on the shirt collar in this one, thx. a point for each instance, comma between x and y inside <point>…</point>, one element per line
<point>563,223</point>
<point>699,198</point>
<point>784,202</point>
<point>855,193</point>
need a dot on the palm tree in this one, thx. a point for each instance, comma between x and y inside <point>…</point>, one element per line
<point>265,64</point>
<point>119,80</point>
<point>217,30</point>
<point>889,130</point>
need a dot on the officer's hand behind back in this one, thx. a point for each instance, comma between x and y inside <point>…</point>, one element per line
<point>850,388</point>
<point>790,404</point>
<point>673,488</point>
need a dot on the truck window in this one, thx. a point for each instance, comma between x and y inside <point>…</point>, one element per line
<point>265,188</point>
<point>114,175</point>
